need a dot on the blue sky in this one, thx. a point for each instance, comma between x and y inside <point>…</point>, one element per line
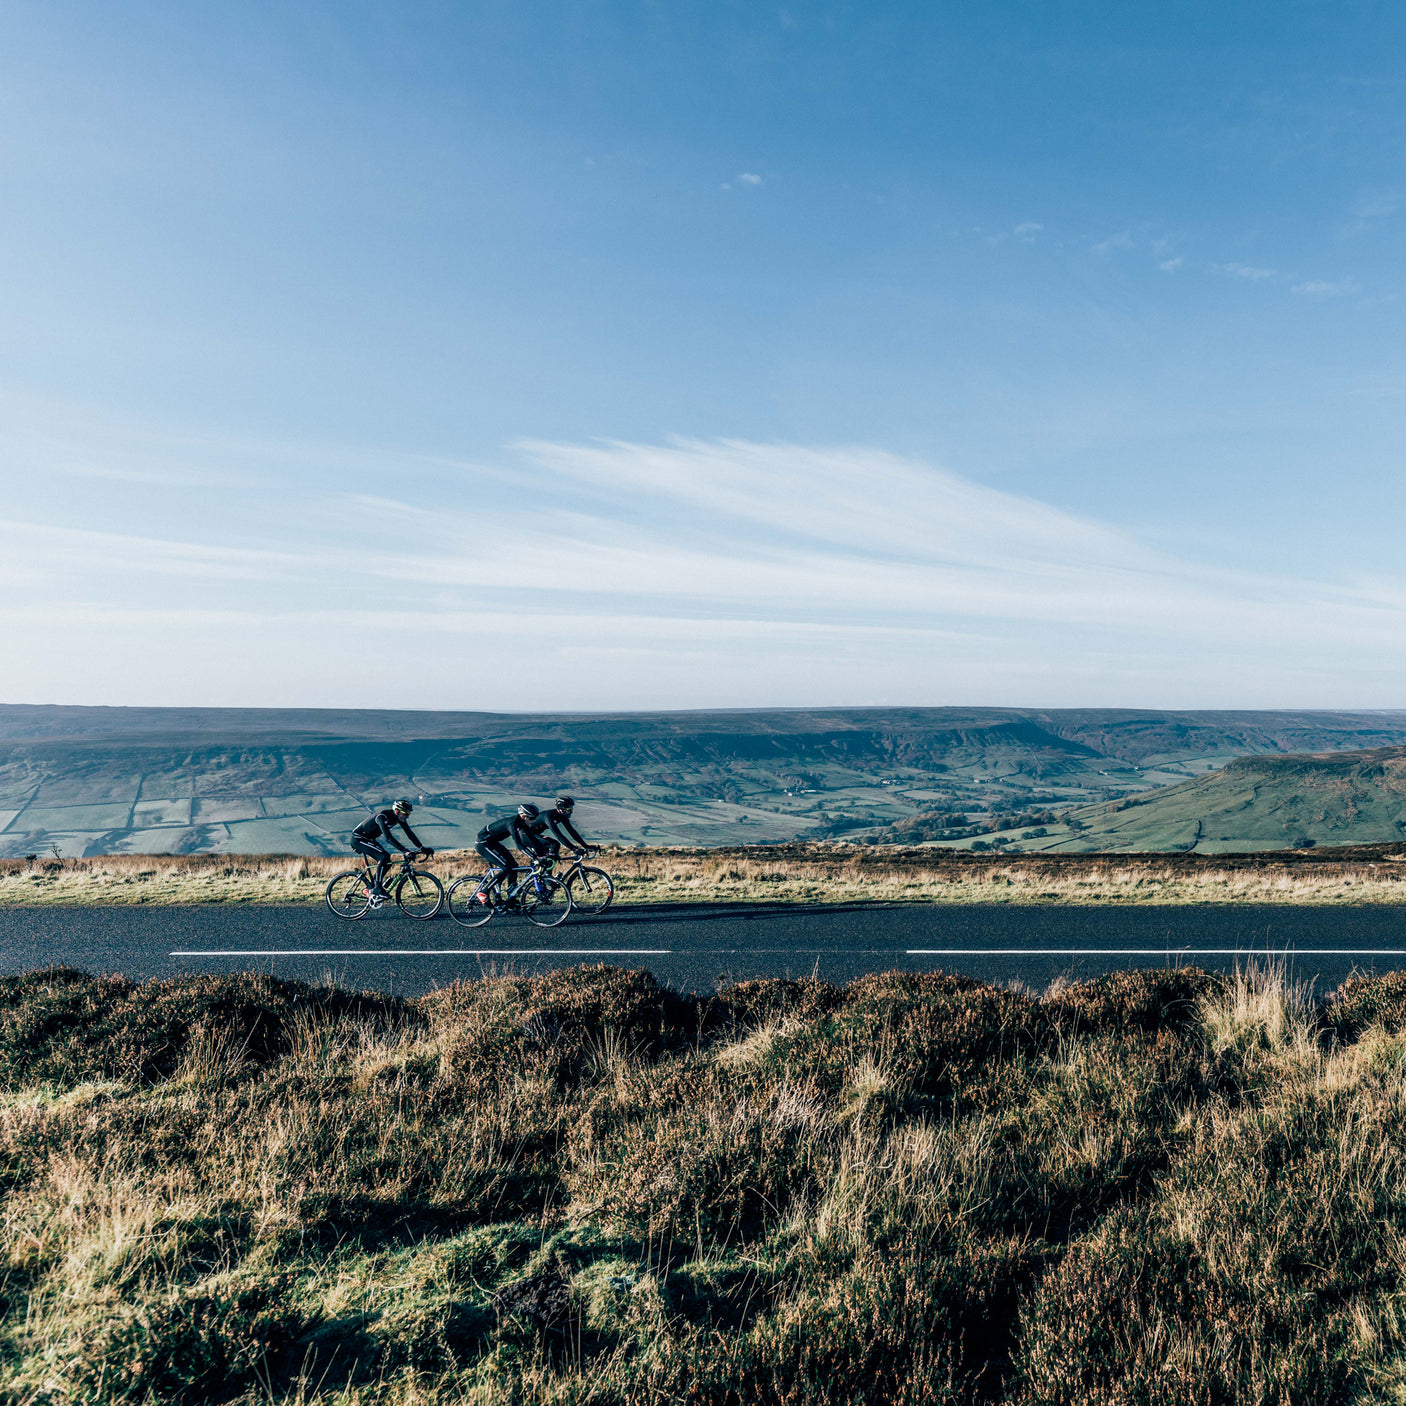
<point>668,355</point>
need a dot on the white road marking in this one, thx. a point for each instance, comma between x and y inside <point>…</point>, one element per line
<point>437,952</point>
<point>1155,951</point>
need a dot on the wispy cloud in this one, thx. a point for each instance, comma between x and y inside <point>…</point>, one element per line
<point>750,178</point>
<point>1249,272</point>
<point>1122,240</point>
<point>759,538</point>
<point>1309,287</point>
<point>771,531</point>
<point>1026,232</point>
<point>711,556</point>
<point>62,558</point>
<point>1372,209</point>
<point>1148,242</point>
<point>1324,288</point>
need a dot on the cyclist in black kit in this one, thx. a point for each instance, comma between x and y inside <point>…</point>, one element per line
<point>558,821</point>
<point>493,837</point>
<point>366,838</point>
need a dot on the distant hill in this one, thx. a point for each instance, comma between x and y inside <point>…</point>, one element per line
<point>1253,803</point>
<point>92,780</point>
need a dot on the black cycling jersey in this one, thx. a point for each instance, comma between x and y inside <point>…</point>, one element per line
<point>559,826</point>
<point>560,822</point>
<point>511,827</point>
<point>379,826</point>
<point>544,840</point>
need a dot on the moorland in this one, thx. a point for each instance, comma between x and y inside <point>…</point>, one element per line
<point>94,781</point>
<point>830,872</point>
<point>1159,1187</point>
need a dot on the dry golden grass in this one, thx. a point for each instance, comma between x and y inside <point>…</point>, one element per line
<point>868,876</point>
<point>815,875</point>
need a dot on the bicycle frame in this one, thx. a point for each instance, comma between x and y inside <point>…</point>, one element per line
<point>368,865</point>
<point>533,871</point>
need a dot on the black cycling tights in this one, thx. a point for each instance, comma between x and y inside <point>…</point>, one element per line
<point>496,854</point>
<point>375,851</point>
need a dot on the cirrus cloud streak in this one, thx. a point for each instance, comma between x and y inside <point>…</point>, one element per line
<point>687,573</point>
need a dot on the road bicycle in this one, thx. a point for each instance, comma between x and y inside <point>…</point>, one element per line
<point>417,893</point>
<point>592,890</point>
<point>541,899</point>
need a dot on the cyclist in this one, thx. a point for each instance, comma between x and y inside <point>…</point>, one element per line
<point>366,839</point>
<point>493,837</point>
<point>558,821</point>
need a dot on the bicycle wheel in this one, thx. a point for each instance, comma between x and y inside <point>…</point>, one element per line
<point>419,894</point>
<point>468,903</point>
<point>348,895</point>
<point>545,901</point>
<point>591,889</point>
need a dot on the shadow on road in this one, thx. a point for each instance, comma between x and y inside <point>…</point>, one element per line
<point>713,913</point>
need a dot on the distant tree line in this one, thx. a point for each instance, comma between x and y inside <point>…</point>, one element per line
<point>956,825</point>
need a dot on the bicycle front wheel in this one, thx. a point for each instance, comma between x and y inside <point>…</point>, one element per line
<point>347,894</point>
<point>545,901</point>
<point>419,895</point>
<point>470,903</point>
<point>592,890</point>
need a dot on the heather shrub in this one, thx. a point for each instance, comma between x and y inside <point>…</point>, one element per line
<point>1133,1000</point>
<point>938,1036</point>
<point>1365,1001</point>
<point>767,1000</point>
<point>61,1026</point>
<point>566,1016</point>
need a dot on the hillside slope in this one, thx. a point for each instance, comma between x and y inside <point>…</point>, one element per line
<point>1253,803</point>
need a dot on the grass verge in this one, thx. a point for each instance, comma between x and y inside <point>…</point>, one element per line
<point>1152,1187</point>
<point>803,874</point>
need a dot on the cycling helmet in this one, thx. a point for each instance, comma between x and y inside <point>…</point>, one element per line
<point>565,802</point>
<point>402,807</point>
<point>527,811</point>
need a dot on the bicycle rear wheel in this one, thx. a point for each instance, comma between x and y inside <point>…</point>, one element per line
<point>592,890</point>
<point>469,903</point>
<point>348,895</point>
<point>419,894</point>
<point>545,901</point>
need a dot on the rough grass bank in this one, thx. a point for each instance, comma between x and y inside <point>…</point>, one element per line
<point>1153,1187</point>
<point>811,873</point>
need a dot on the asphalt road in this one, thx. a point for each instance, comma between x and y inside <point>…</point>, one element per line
<point>697,947</point>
